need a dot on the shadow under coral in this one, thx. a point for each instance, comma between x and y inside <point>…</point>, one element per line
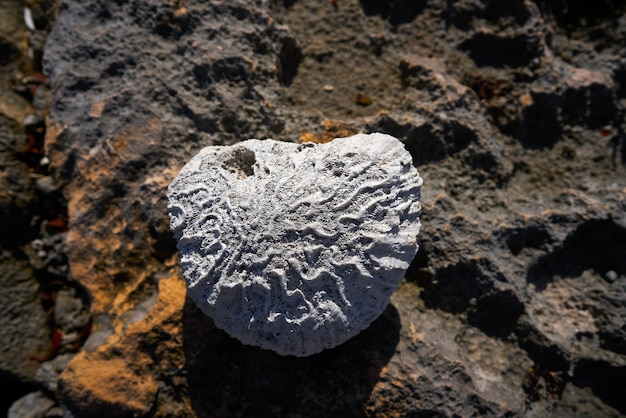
<point>227,378</point>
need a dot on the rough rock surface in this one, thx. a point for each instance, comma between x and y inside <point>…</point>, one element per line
<point>296,248</point>
<point>23,339</point>
<point>25,328</point>
<point>513,112</point>
<point>33,405</point>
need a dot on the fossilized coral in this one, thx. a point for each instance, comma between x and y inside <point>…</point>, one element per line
<point>296,247</point>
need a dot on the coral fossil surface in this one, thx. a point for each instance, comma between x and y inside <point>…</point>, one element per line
<point>296,248</point>
<point>512,111</point>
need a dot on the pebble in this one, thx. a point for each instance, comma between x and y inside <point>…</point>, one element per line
<point>46,185</point>
<point>32,405</point>
<point>49,371</point>
<point>611,276</point>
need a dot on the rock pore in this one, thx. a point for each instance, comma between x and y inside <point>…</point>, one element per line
<point>296,247</point>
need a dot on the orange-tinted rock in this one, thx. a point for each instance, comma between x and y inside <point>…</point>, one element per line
<point>107,385</point>
<point>330,129</point>
<point>122,375</point>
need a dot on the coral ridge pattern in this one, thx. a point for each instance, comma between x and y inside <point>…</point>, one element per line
<point>296,247</point>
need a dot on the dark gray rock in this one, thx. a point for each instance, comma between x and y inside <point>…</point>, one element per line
<point>46,254</point>
<point>514,305</point>
<point>47,374</point>
<point>70,312</point>
<point>25,311</point>
<point>17,194</point>
<point>23,326</point>
<point>33,405</point>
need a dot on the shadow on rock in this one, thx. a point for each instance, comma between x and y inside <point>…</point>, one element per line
<point>472,287</point>
<point>605,380</point>
<point>599,245</point>
<point>398,11</point>
<point>575,13</point>
<point>430,140</point>
<point>497,50</point>
<point>227,378</point>
<point>541,127</point>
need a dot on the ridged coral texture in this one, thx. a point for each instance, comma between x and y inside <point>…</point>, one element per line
<point>296,247</point>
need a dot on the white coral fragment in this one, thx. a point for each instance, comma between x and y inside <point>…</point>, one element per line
<point>296,247</point>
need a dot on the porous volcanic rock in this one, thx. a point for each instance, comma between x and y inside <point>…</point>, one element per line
<point>514,115</point>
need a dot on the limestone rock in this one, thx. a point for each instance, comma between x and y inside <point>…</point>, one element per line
<point>296,247</point>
